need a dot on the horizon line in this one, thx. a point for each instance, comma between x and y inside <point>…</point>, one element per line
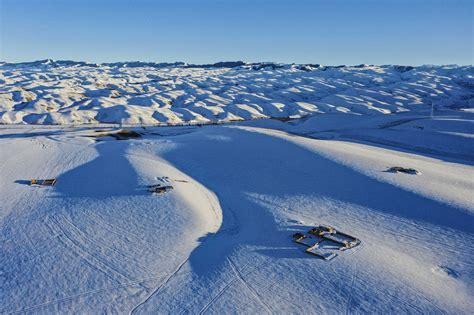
<point>3,62</point>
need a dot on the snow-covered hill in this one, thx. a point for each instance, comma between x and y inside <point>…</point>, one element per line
<point>220,241</point>
<point>69,92</point>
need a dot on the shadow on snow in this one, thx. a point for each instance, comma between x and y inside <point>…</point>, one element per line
<point>108,175</point>
<point>262,164</point>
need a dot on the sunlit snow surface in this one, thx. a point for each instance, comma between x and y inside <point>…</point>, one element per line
<point>49,93</point>
<point>220,241</point>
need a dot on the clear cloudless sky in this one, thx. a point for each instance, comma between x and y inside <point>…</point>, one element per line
<point>205,31</point>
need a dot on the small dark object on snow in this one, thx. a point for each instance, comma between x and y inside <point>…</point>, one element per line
<point>43,182</point>
<point>126,134</point>
<point>180,180</point>
<point>158,189</point>
<point>398,169</point>
<point>123,134</point>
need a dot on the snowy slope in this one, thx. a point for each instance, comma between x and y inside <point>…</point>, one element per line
<point>68,92</point>
<point>98,237</point>
<point>220,243</point>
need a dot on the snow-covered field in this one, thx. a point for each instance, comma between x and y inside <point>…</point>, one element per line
<point>220,241</point>
<point>63,92</point>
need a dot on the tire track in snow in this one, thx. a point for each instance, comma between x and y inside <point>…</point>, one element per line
<point>121,232</point>
<point>351,289</point>
<point>86,293</point>
<point>91,259</point>
<point>254,293</point>
<point>77,233</point>
<point>224,289</point>
<point>219,294</point>
<point>159,287</point>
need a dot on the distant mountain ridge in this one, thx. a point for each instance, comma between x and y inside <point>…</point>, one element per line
<point>119,64</point>
<point>221,64</point>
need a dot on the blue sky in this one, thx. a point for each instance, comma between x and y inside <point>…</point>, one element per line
<point>303,31</point>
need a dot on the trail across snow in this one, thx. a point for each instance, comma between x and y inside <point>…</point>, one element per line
<point>220,241</point>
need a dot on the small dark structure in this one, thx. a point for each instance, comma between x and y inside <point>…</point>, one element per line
<point>399,169</point>
<point>158,189</point>
<point>123,134</point>
<point>43,182</point>
<point>325,234</point>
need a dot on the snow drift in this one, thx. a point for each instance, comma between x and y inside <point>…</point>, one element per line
<point>70,92</point>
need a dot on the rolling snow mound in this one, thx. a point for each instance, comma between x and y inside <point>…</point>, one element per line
<point>70,92</point>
